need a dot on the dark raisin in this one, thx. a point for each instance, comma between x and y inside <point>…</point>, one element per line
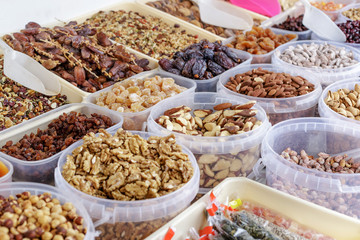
<point>215,68</point>
<point>223,60</point>
<point>199,68</point>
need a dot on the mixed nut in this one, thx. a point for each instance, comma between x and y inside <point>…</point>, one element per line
<point>29,216</point>
<point>200,61</point>
<point>79,54</point>
<point>345,102</point>
<point>127,167</point>
<point>147,34</point>
<point>18,103</point>
<point>259,40</point>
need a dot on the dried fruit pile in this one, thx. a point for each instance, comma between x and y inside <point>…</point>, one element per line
<point>78,53</point>
<point>292,24</point>
<point>203,60</point>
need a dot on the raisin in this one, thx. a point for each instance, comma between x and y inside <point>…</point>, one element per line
<point>208,53</point>
<point>174,71</point>
<point>231,55</point>
<point>207,75</point>
<point>215,68</point>
<point>187,69</point>
<point>143,62</point>
<point>199,68</point>
<point>165,64</point>
<point>223,60</point>
<point>179,63</point>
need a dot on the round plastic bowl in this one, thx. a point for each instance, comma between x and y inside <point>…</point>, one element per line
<point>325,110</point>
<point>340,192</point>
<point>342,17</point>
<point>7,177</point>
<point>243,147</point>
<point>7,189</point>
<point>314,36</point>
<point>325,76</point>
<point>278,109</point>
<point>334,15</point>
<point>112,211</point>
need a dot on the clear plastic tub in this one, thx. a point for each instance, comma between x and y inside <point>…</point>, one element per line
<point>325,110</point>
<point>325,76</point>
<point>342,17</point>
<point>260,58</point>
<point>241,151</point>
<point>43,170</point>
<point>143,214</point>
<point>278,109</point>
<point>337,191</point>
<point>136,120</point>
<point>314,36</point>
<point>209,85</point>
<point>335,14</point>
<point>7,189</point>
<point>303,212</point>
<point>294,11</point>
<point>7,177</point>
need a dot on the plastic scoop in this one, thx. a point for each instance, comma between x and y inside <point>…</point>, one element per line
<point>321,24</point>
<point>223,14</point>
<point>264,7</point>
<point>23,69</point>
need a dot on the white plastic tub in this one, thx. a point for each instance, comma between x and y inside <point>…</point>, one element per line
<point>7,189</point>
<point>278,109</point>
<point>337,191</point>
<point>43,170</point>
<point>325,110</point>
<point>149,213</point>
<point>209,85</point>
<point>335,14</point>
<point>241,148</point>
<point>303,212</point>
<point>7,177</point>
<point>325,76</point>
<point>136,120</point>
<point>294,11</point>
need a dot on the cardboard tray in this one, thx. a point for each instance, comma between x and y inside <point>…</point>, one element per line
<point>318,218</point>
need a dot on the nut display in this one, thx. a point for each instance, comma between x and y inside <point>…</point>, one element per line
<point>345,102</point>
<point>27,216</point>
<point>324,162</point>
<point>188,11</point>
<point>267,84</point>
<point>351,29</point>
<point>60,133</point>
<point>352,13</point>
<point>79,54</point>
<point>327,6</point>
<point>136,95</point>
<point>259,40</point>
<point>147,34</point>
<point>18,103</point>
<point>315,55</point>
<point>127,167</point>
<point>292,24</point>
<point>200,61</point>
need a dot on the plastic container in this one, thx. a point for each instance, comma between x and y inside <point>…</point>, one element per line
<point>7,189</point>
<point>294,11</point>
<point>325,110</point>
<point>240,150</point>
<point>305,213</point>
<point>335,14</point>
<point>325,76</point>
<point>342,17</point>
<point>43,170</point>
<point>136,120</point>
<point>209,85</point>
<point>278,109</point>
<point>141,213</point>
<point>337,191</point>
<point>7,177</point>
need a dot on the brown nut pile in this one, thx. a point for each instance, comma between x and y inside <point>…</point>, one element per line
<point>260,41</point>
<point>224,119</point>
<point>41,216</point>
<point>324,163</point>
<point>147,34</point>
<point>345,102</point>
<point>267,84</point>
<point>19,103</point>
<point>216,167</point>
<point>78,53</point>
<point>136,95</point>
<point>61,133</point>
<point>130,230</point>
<point>188,11</point>
<point>127,167</point>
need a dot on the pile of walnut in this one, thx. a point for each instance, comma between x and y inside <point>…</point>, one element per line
<point>224,120</point>
<point>127,167</point>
